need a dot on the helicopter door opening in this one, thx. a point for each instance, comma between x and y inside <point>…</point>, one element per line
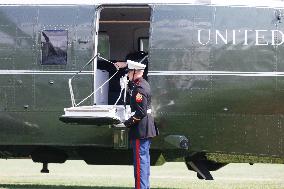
<point>121,32</point>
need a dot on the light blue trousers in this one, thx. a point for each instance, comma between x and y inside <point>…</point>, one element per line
<point>141,162</point>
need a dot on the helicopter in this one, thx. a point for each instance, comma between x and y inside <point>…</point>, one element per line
<point>215,69</point>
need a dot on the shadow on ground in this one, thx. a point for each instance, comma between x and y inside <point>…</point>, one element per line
<point>31,186</point>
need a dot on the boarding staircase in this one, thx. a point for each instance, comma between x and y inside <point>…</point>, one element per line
<point>97,114</point>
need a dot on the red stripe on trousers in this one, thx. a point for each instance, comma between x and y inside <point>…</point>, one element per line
<point>137,164</point>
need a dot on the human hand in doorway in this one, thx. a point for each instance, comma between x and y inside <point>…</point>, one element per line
<point>128,123</point>
<point>119,65</point>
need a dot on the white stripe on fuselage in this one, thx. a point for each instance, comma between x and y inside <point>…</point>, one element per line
<point>215,73</point>
<point>39,72</point>
<point>151,73</point>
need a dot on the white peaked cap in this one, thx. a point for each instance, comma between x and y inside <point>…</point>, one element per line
<point>132,65</point>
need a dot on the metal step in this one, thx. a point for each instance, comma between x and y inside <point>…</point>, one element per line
<point>96,115</point>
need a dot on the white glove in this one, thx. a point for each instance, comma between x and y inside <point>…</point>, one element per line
<point>123,82</point>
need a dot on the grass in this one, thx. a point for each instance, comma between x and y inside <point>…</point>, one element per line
<point>24,174</point>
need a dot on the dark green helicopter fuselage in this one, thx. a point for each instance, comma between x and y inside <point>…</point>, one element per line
<point>216,74</point>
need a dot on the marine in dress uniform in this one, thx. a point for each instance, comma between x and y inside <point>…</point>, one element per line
<point>141,124</point>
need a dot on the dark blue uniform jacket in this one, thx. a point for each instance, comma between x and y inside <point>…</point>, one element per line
<point>141,123</point>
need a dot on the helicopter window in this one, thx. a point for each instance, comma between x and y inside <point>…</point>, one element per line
<point>54,47</point>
